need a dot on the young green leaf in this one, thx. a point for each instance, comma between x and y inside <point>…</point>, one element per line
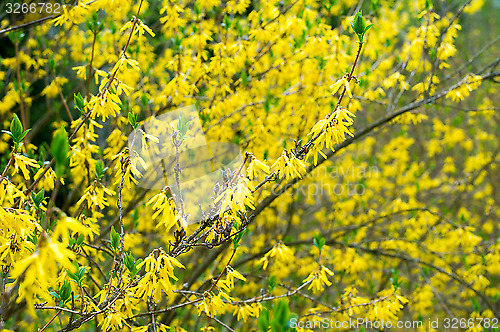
<point>100,169</point>
<point>359,23</point>
<point>38,198</point>
<point>80,239</point>
<point>132,119</point>
<point>183,126</point>
<point>16,131</point>
<point>60,150</point>
<point>65,292</point>
<point>79,102</point>
<point>272,283</point>
<point>131,265</point>
<point>319,241</point>
<point>115,238</point>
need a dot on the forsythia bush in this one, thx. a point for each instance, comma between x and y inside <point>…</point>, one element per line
<point>366,187</point>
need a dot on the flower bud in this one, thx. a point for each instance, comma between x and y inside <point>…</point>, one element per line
<point>359,26</point>
<point>359,23</point>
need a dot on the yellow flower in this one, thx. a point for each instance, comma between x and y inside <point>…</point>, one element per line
<point>237,197</point>
<point>212,304</point>
<point>255,165</point>
<point>20,162</point>
<point>159,270</point>
<point>245,311</point>
<point>75,14</point>
<point>166,208</point>
<point>319,279</point>
<point>228,282</point>
<point>139,29</point>
<point>81,72</point>
<point>280,252</point>
<point>94,195</point>
<point>52,89</point>
<point>105,105</point>
<point>41,269</point>
<point>288,166</point>
<point>342,82</point>
<point>113,321</point>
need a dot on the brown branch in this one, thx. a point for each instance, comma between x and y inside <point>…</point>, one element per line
<point>50,321</point>
<point>222,272</point>
<point>24,116</point>
<point>9,163</point>
<point>90,66</point>
<point>63,100</point>
<point>156,312</point>
<point>359,135</point>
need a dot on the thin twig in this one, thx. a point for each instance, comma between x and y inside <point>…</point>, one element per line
<point>50,321</point>
<point>222,323</point>
<point>63,100</point>
<point>90,67</point>
<point>9,163</point>
<point>222,272</point>
<point>24,116</point>
<point>153,320</point>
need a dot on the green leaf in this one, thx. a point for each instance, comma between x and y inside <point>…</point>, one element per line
<point>60,150</point>
<point>368,28</point>
<point>263,321</point>
<point>272,283</point>
<point>319,241</point>
<point>65,291</point>
<point>16,132</point>
<point>359,26</point>
<point>33,239</point>
<point>54,294</point>
<point>81,272</point>
<point>100,169</point>
<point>16,36</point>
<point>80,239</point>
<point>79,102</point>
<point>38,198</point>
<point>227,22</point>
<point>16,129</point>
<point>475,305</point>
<point>237,239</point>
<point>93,24</point>
<point>23,135</point>
<point>177,40</point>
<point>72,276</point>
<point>276,327</point>
<point>52,64</point>
<point>281,315</point>
<point>285,315</point>
<point>244,78</point>
<point>359,23</point>
<point>132,119</point>
<point>115,238</point>
<point>131,265</point>
<point>289,323</point>
<point>183,126</point>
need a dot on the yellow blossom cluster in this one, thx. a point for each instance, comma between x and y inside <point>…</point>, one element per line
<point>368,186</point>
